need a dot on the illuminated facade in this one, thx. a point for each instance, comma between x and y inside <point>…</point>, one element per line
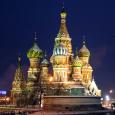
<point>71,73</point>
<point>34,69</point>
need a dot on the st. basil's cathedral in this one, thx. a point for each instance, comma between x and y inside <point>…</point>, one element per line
<point>72,74</point>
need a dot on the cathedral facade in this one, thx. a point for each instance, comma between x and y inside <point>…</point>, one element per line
<point>71,73</point>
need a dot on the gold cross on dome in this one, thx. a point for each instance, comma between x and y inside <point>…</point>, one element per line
<point>84,39</point>
<point>35,38</point>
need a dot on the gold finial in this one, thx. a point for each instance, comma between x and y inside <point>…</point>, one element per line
<point>63,12</point>
<point>84,40</point>
<point>63,7</point>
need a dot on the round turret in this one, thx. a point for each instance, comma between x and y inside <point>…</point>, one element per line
<point>35,52</point>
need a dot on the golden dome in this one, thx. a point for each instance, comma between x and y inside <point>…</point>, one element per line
<point>84,52</point>
<point>35,52</point>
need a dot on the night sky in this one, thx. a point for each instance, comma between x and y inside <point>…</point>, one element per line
<point>95,19</point>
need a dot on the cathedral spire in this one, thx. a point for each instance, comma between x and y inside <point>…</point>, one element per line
<point>18,84</point>
<point>63,32</point>
<point>19,72</point>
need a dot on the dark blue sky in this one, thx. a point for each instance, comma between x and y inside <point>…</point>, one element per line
<point>95,19</point>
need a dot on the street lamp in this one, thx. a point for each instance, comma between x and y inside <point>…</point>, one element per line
<point>107,98</point>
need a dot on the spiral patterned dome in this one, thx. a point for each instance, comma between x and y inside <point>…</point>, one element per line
<point>77,62</point>
<point>35,52</point>
<point>84,52</point>
<point>60,50</point>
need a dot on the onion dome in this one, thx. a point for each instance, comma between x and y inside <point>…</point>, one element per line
<point>60,50</point>
<point>87,66</point>
<point>84,52</point>
<point>45,62</point>
<point>35,51</point>
<point>77,62</point>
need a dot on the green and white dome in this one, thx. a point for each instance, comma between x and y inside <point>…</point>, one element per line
<point>35,52</point>
<point>77,62</point>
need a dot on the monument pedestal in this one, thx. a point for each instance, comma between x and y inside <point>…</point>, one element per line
<point>72,103</point>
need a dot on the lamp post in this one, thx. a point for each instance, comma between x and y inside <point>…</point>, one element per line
<point>107,99</point>
<point>111,92</point>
